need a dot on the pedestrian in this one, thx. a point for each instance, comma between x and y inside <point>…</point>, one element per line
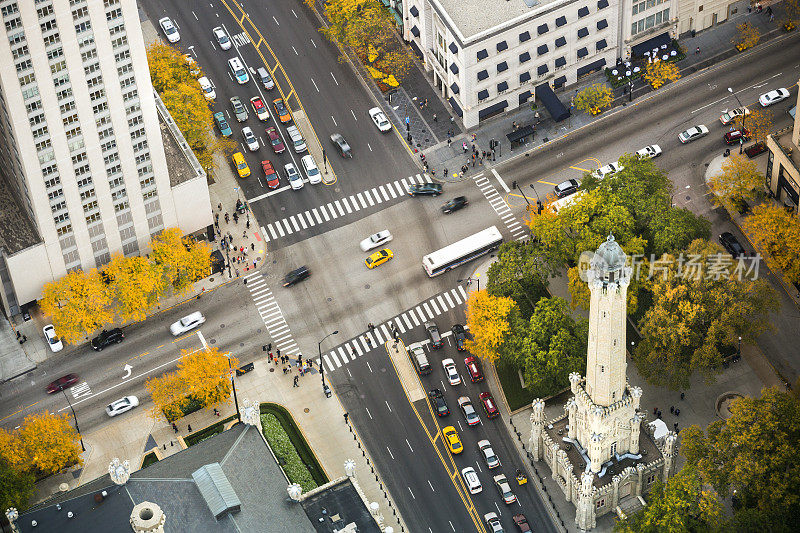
<point>675,425</point>
<point>284,370</point>
<point>300,358</point>
<point>677,412</point>
<point>352,352</point>
<point>484,154</point>
<point>435,118</point>
<point>463,145</point>
<point>659,414</point>
<point>294,383</point>
<point>244,234</point>
<point>452,119</point>
<point>671,408</point>
<point>371,326</point>
<point>655,410</point>
<point>449,141</point>
<point>190,427</point>
<point>216,412</point>
<point>682,395</point>
<point>697,51</point>
<point>444,174</point>
<point>174,427</point>
<point>771,17</point>
<point>227,218</point>
<point>216,218</point>
<point>279,352</point>
<point>369,342</point>
<point>536,116</point>
<point>270,356</point>
<point>252,247</point>
<point>345,418</point>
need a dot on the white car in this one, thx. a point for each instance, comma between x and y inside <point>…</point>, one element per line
<point>207,88</point>
<point>503,487</point>
<point>488,454</point>
<point>649,152</point>
<point>187,323</point>
<point>732,114</point>
<point>222,38</point>
<point>773,97</point>
<point>692,134</point>
<point>122,405</point>
<point>375,240</point>
<point>493,522</point>
<point>169,30</point>
<point>452,373</point>
<point>53,341</point>
<point>471,480</point>
<point>295,179</point>
<point>380,120</point>
<point>250,139</point>
<point>194,70</point>
<point>469,412</point>
<point>608,170</point>
<point>311,169</point>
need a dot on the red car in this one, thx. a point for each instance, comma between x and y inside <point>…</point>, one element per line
<point>735,136</point>
<point>275,140</point>
<point>488,404</point>
<point>271,176</point>
<point>522,523</point>
<point>62,383</point>
<point>473,369</point>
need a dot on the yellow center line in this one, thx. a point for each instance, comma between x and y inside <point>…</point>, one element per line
<point>17,412</point>
<point>548,183</point>
<point>157,347</point>
<point>581,169</point>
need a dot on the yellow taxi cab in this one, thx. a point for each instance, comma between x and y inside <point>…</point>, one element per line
<point>378,258</point>
<point>241,165</point>
<point>452,440</point>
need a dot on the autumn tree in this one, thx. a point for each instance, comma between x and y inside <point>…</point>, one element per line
<point>179,260</point>
<point>170,395</point>
<point>738,180</point>
<point>16,486</point>
<point>168,68</point>
<point>747,36</point>
<point>135,284</point>
<point>775,232</point>
<point>758,123</point>
<point>594,99</point>
<point>754,455</point>
<point>791,13</point>
<point>489,321</point>
<point>44,443</point>
<point>660,72</point>
<point>517,273</point>
<point>682,504</point>
<point>78,303</point>
<point>703,301</point>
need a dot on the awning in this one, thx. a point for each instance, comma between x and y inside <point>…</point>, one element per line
<point>415,31</point>
<point>524,97</point>
<point>417,51</point>
<point>649,44</point>
<point>583,32</point>
<point>591,67</point>
<point>524,57</point>
<point>453,68</point>
<point>492,110</point>
<point>455,88</point>
<point>520,133</point>
<point>502,86</point>
<point>455,107</point>
<point>601,44</point>
<point>414,11</point>
<point>453,48</point>
<point>525,76</point>
<point>559,82</point>
<point>551,102</point>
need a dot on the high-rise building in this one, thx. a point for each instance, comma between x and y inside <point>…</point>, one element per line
<point>83,173</point>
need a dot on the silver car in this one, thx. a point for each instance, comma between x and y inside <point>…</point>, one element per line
<point>608,170</point>
<point>375,240</point>
<point>187,323</point>
<point>692,133</point>
<point>169,30</point>
<point>122,405</point>
<point>222,38</point>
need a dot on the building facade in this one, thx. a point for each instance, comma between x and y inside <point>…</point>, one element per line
<point>782,177</point>
<point>80,140</point>
<point>644,21</point>
<point>601,454</point>
<point>697,15</point>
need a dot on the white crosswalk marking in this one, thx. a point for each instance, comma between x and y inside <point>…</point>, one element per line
<point>80,390</point>
<point>270,312</point>
<point>316,215</point>
<point>324,213</point>
<point>339,207</point>
<point>500,207</point>
<point>435,308</point>
<point>347,205</point>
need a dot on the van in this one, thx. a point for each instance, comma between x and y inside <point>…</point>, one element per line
<point>237,69</point>
<point>420,360</point>
<point>297,139</point>
<point>266,79</point>
<point>311,168</point>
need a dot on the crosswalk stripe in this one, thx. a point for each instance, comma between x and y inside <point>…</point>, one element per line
<point>463,292</point>
<point>383,192</point>
<point>405,184</point>
<point>336,360</point>
<point>421,314</point>
<point>309,218</point>
<point>280,229</point>
<point>441,302</point>
<point>360,198</point>
<point>289,229</point>
<point>456,296</point>
<point>356,347</point>
<point>347,205</point>
<point>435,308</point>
<point>449,301</point>
<point>291,347</point>
<point>345,356</point>
<point>255,283</point>
<point>428,310</point>
<point>339,207</point>
<point>391,190</point>
<point>413,316</point>
<point>316,215</point>
<point>400,188</point>
<point>428,179</point>
<point>406,320</point>
<point>328,362</point>
<point>272,231</point>
<point>377,196</point>
<point>386,332</point>
<point>302,222</point>
<point>364,344</point>
<point>324,213</point>
<point>331,210</point>
<point>399,324</point>
<point>369,198</point>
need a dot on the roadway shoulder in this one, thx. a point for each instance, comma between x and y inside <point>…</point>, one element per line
<point>405,371</point>
<point>314,145</point>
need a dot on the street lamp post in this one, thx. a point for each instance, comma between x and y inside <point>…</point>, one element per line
<point>539,204</point>
<point>319,348</point>
<point>468,280</point>
<point>516,186</point>
<point>75,418</point>
<point>744,118</point>
<point>233,385</point>
<point>630,90</point>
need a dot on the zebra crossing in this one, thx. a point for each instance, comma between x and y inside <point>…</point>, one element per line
<point>500,207</point>
<point>271,313</point>
<point>342,207</point>
<point>371,339</point>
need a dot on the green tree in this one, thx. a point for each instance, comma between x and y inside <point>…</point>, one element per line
<point>775,232</point>
<point>518,273</point>
<point>682,504</point>
<point>594,99</point>
<point>179,260</point>
<point>16,486</point>
<point>738,180</point>
<point>78,304</point>
<point>753,454</point>
<point>701,304</point>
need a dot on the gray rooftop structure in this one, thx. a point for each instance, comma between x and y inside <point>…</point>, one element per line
<point>471,18</point>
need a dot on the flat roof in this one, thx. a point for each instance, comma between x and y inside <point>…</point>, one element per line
<point>178,167</point>
<point>473,17</point>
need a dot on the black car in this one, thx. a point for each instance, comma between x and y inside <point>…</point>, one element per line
<point>434,335</point>
<point>296,275</point>
<point>566,188</point>
<point>341,144</point>
<point>108,336</point>
<point>459,336</point>
<point>425,189</point>
<point>437,402</point>
<point>455,204</point>
<point>731,244</point>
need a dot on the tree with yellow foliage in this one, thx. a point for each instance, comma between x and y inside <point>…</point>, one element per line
<point>775,233</point>
<point>489,321</point>
<point>180,261</point>
<point>135,284</point>
<point>170,394</point>
<point>78,303</point>
<point>594,99</point>
<point>747,36</point>
<point>758,123</point>
<point>49,442</point>
<point>738,180</point>
<point>660,72</point>
<point>168,68</point>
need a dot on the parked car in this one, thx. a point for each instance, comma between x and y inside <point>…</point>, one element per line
<point>275,140</point>
<point>295,276</point>
<point>194,70</point>
<point>311,169</point>
<point>488,454</point>
<point>489,404</point>
<point>122,405</point>
<point>451,438</point>
<point>281,111</point>
<point>459,336</point>
<point>222,38</point>
<point>187,323</point>
<point>493,522</point>
<point>732,114</point>
<point>273,180</point>
<point>522,523</point>
<point>773,97</point>
<point>438,403</point>
<point>471,480</point>
<point>266,79</point>
<point>470,415</point>
<point>169,29</point>
<point>378,258</point>
<point>222,124</point>
<point>259,108</point>
<point>425,189</point>
<point>106,338</point>
<point>238,70</point>
<point>736,136</point>
<point>62,383</point>
<point>608,170</point>
<point>433,334</point>
<point>238,109</point>
<point>52,339</point>
<point>649,152</point>
<point>207,88</point>
<point>375,240</point>
<point>450,371</point>
<point>250,139</point>
<point>504,488</point>
<point>419,360</point>
<point>566,188</point>
<point>240,164</point>
<point>693,134</point>
<point>297,139</point>
<point>731,244</point>
<point>341,145</point>
<point>380,120</point>
<point>473,369</point>
<point>294,177</point>
<point>455,204</point>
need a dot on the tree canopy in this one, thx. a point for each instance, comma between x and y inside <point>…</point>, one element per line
<point>660,72</point>
<point>594,98</point>
<point>739,179</point>
<point>77,303</point>
<point>16,486</point>
<point>181,261</point>
<point>519,274</point>
<point>44,443</point>
<point>776,233</point>
<point>135,284</point>
<point>489,322</point>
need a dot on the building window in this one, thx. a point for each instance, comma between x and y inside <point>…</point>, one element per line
<point>582,12</point>
<point>483,95</point>
<point>651,478</point>
<point>613,448</point>
<point>600,503</point>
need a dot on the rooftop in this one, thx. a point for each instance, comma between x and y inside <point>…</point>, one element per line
<point>17,230</point>
<point>472,18</point>
<point>791,150</point>
<point>331,510</point>
<point>180,170</point>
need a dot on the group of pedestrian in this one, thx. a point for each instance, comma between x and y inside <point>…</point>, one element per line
<point>673,410</point>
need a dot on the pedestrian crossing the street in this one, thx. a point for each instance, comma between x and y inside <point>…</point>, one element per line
<point>397,189</point>
<point>382,333</point>
<point>500,207</point>
<point>271,313</point>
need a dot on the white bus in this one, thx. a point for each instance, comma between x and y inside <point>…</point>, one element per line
<point>462,251</point>
<point>558,205</point>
